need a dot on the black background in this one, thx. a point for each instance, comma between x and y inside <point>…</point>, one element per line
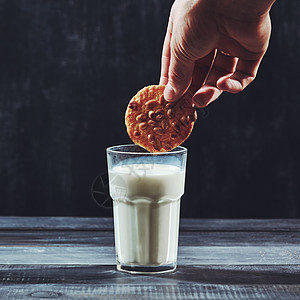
<point>67,72</point>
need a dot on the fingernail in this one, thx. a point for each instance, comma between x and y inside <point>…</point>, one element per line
<point>169,93</point>
<point>198,100</point>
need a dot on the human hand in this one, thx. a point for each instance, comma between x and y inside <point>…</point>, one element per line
<point>213,46</point>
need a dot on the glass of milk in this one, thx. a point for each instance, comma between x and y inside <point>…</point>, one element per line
<point>146,189</point>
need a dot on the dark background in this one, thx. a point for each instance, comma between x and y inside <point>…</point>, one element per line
<point>67,72</point>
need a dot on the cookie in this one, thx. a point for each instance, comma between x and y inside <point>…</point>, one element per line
<point>158,125</point>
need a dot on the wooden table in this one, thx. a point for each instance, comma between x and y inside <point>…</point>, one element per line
<point>74,258</point>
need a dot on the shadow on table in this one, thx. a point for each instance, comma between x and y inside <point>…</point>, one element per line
<point>77,274</point>
<point>238,274</point>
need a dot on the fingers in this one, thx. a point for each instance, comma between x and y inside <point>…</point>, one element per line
<point>183,46</point>
<point>177,67</point>
<point>223,66</point>
<point>243,75</point>
<point>165,58</point>
<point>201,70</point>
<point>180,73</point>
<point>229,74</point>
<point>176,72</point>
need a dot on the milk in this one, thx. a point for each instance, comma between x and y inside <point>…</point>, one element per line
<point>146,212</point>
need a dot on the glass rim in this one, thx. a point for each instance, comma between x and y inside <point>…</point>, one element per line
<point>113,149</point>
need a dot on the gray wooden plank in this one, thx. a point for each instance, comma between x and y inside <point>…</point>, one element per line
<point>57,255</point>
<point>240,255</point>
<point>240,238</point>
<point>39,238</point>
<point>55,223</point>
<point>191,255</point>
<point>93,274</point>
<point>237,225</point>
<point>75,223</point>
<point>186,238</point>
<point>150,292</point>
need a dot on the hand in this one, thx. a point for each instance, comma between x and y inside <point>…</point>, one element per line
<point>213,46</point>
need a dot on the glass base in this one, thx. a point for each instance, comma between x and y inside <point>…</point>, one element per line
<point>136,269</point>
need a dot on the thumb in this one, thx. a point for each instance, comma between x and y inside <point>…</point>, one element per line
<point>179,74</point>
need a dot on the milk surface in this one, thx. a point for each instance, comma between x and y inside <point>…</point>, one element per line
<point>146,212</point>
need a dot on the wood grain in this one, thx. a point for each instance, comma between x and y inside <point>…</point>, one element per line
<point>147,292</point>
<point>199,282</point>
<point>55,223</point>
<point>220,225</point>
<point>186,238</point>
<point>198,255</point>
<point>107,274</point>
<point>70,258</point>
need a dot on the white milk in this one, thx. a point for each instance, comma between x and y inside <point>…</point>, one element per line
<point>146,212</point>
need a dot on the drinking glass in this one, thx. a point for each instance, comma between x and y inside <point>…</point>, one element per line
<point>146,189</point>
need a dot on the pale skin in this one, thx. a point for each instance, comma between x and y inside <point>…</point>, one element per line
<point>213,46</point>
